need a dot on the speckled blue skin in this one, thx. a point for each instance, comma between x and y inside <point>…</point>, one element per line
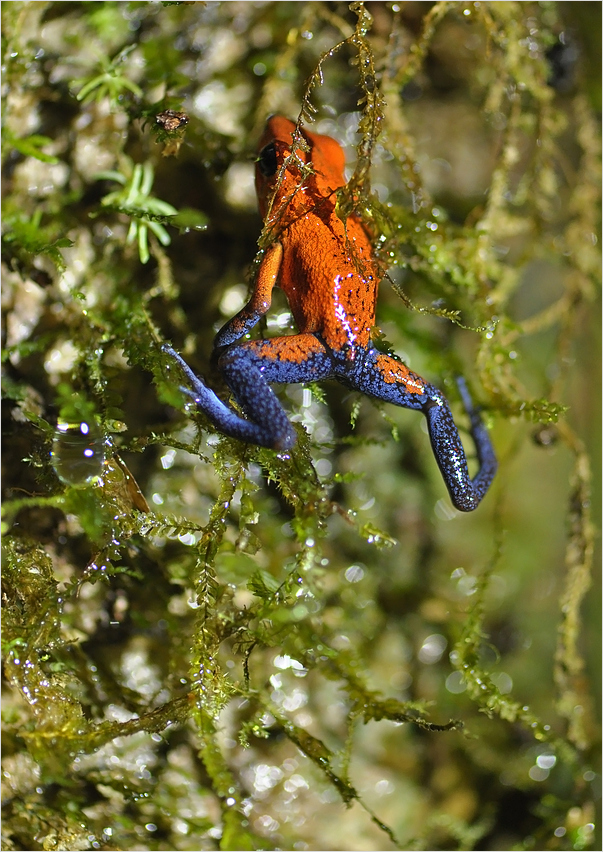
<point>249,367</point>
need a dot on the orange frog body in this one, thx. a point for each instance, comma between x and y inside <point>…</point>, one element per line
<point>329,274</point>
<point>327,271</point>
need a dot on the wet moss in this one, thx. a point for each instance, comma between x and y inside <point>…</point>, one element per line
<point>210,645</point>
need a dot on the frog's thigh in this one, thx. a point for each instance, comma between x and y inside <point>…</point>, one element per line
<point>385,378</point>
<point>298,358</point>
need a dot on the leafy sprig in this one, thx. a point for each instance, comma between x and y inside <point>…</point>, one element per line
<point>146,212</point>
<point>25,238</point>
<point>136,202</point>
<point>110,83</point>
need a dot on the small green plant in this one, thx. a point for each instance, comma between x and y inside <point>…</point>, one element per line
<point>25,238</point>
<point>146,212</point>
<point>111,83</point>
<point>30,146</point>
<point>136,202</point>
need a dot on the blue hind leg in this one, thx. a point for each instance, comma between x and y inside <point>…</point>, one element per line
<point>385,378</point>
<point>247,369</point>
<point>465,493</point>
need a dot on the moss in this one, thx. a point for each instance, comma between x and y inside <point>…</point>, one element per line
<point>210,645</point>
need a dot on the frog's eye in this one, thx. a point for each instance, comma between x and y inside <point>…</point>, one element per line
<point>267,160</point>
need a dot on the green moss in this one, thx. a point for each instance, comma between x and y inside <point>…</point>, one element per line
<point>210,645</point>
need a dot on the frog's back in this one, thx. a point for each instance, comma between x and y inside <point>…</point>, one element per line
<point>328,270</point>
<point>330,278</point>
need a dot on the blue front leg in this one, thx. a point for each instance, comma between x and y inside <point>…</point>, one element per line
<point>260,301</point>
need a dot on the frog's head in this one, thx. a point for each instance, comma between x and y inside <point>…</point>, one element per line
<point>325,154</point>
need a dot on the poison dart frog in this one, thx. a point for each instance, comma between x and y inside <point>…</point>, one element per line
<point>329,273</point>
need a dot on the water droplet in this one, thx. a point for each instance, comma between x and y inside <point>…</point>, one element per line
<point>432,649</point>
<point>456,683</point>
<point>546,761</point>
<point>78,452</point>
<point>354,574</point>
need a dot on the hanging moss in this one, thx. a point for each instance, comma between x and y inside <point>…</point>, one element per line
<point>208,645</point>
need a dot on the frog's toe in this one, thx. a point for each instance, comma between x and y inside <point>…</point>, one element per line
<point>285,441</point>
